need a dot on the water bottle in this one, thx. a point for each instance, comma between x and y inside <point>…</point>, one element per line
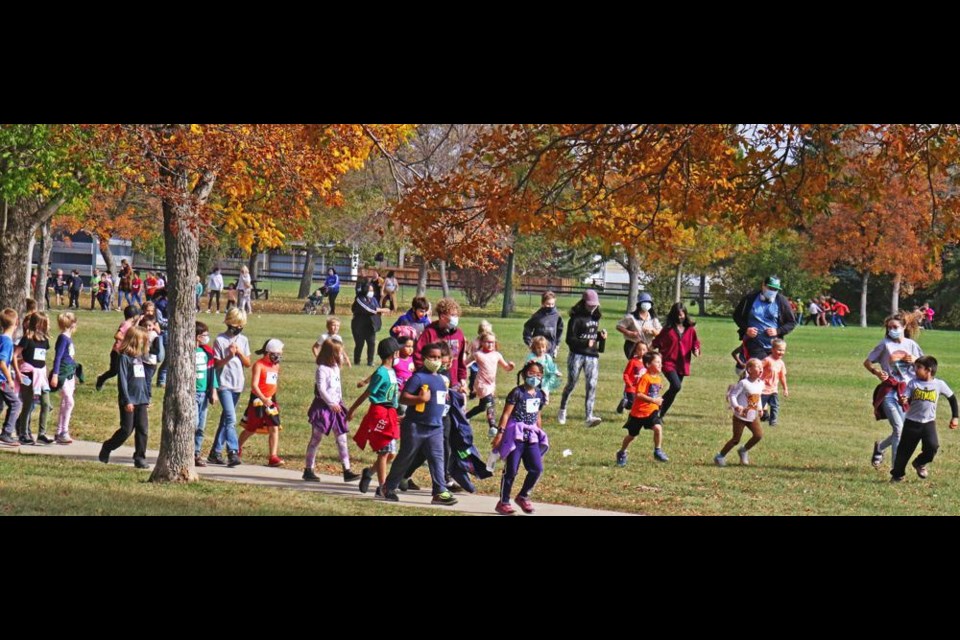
<point>492,461</point>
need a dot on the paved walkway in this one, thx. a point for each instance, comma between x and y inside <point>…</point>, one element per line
<point>290,478</point>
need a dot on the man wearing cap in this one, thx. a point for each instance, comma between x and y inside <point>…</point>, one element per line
<point>762,316</point>
<point>586,342</point>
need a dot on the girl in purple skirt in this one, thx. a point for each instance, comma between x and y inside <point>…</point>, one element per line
<point>327,414</point>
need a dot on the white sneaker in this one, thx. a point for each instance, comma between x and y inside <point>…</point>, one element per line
<point>593,421</point>
<point>744,458</point>
<point>719,460</point>
<point>562,416</point>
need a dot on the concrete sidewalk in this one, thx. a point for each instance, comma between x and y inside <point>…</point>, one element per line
<point>290,478</point>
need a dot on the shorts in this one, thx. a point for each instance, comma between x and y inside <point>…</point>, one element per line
<point>634,424</point>
<point>393,447</point>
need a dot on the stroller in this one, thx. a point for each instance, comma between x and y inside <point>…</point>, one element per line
<point>315,303</point>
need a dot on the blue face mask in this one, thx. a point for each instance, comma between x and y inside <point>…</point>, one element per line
<point>895,334</point>
<point>770,295</point>
<point>533,382</point>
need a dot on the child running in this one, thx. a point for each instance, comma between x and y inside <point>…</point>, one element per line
<point>774,374</point>
<point>380,427</point>
<point>540,352</point>
<point>744,399</point>
<point>645,413</point>
<point>632,374</point>
<point>485,386</point>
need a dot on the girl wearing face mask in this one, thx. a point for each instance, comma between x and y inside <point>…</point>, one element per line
<point>365,324</point>
<point>640,326</point>
<point>520,437</point>
<point>232,352</point>
<point>263,412</point>
<point>892,361</point>
<point>207,384</point>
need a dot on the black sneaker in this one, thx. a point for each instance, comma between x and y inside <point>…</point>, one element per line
<point>620,407</point>
<point>233,459</point>
<point>350,476</point>
<point>445,498</point>
<point>141,464</point>
<point>412,486</point>
<point>310,476</point>
<point>45,439</point>
<point>389,496</point>
<point>198,461</point>
<point>215,458</point>
<point>104,455</point>
<point>365,477</point>
<point>404,485</point>
<point>27,439</point>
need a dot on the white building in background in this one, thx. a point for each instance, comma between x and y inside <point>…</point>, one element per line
<point>80,251</point>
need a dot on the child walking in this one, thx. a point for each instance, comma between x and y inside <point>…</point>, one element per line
<point>333,332</point>
<point>919,424</point>
<point>206,387</point>
<point>35,385</point>
<point>520,437</point>
<point>263,412</point>
<point>65,374</point>
<point>133,398</point>
<point>645,413</point>
<point>380,427</point>
<point>9,377</point>
<point>744,399</point>
<point>485,386</point>
<point>632,374</point>
<point>327,415</point>
<point>774,374</point>
<point>540,352</point>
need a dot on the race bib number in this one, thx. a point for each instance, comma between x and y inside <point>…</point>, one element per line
<point>201,359</point>
<point>152,359</point>
<point>138,370</point>
<point>272,377</point>
<point>441,397</point>
<point>533,406</point>
<point>71,350</point>
<point>39,354</point>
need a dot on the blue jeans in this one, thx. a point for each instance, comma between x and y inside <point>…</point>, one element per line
<point>772,401</point>
<point>894,413</point>
<point>202,404</point>
<point>227,430</point>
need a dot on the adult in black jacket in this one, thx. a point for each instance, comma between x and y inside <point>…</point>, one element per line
<point>762,316</point>
<point>365,324</point>
<point>586,342</point>
<point>546,322</point>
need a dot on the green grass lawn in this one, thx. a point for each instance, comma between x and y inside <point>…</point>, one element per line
<point>816,461</point>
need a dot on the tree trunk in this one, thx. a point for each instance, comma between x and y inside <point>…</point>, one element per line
<point>508,301</point>
<point>306,278</point>
<point>633,270</point>
<point>253,263</point>
<point>46,248</point>
<point>678,285</point>
<point>895,297</point>
<point>104,245</point>
<point>422,278</point>
<point>181,232</point>
<point>402,256</point>
<point>702,295</point>
<point>443,279</point>
<point>863,299</point>
<point>17,228</point>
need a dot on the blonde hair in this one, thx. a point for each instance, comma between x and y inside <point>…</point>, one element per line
<point>778,342</point>
<point>539,341</point>
<point>66,320</point>
<point>236,317</point>
<point>332,320</point>
<point>8,318</point>
<point>330,353</point>
<point>757,360</point>
<point>447,306</point>
<point>484,327</point>
<point>486,336</point>
<point>135,342</point>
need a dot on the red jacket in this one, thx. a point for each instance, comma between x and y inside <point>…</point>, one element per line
<point>632,374</point>
<point>457,344</point>
<point>676,350</point>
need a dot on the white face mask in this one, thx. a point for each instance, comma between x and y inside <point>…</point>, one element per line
<point>205,340</point>
<point>645,306</point>
<point>454,322</point>
<point>369,294</point>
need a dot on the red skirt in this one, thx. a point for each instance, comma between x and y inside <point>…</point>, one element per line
<point>379,427</point>
<point>258,419</point>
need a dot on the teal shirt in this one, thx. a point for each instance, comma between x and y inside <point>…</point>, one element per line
<point>206,374</point>
<point>383,387</point>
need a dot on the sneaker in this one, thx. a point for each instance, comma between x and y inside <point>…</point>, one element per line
<point>561,417</point>
<point>877,458</point>
<point>276,461</point>
<point>744,458</point>
<point>9,440</point>
<point>621,458</point>
<point>389,496</point>
<point>27,439</point>
<point>773,424</point>
<point>365,477</point>
<point>453,487</point>
<point>198,461</point>
<point>350,476</point>
<point>660,456</point>
<point>104,455</point>
<point>446,498</point>
<point>719,460</point>
<point>619,408</point>
<point>411,485</point>
<point>921,470</point>
<point>216,458</point>
<point>504,509</point>
<point>593,421</point>
<point>141,464</point>
<point>45,439</point>
<point>64,438</point>
<point>233,459</point>
<point>99,385</point>
<point>896,479</point>
<point>525,505</point>
<point>310,476</point>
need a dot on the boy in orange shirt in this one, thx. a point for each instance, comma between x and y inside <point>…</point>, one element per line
<point>645,413</point>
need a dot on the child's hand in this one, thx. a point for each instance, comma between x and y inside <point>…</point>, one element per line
<point>424,394</point>
<point>658,401</point>
<point>53,380</point>
<point>496,441</point>
<point>786,394</point>
<point>883,375</point>
<point>953,423</point>
<point>128,408</point>
<point>335,408</point>
<point>360,385</point>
